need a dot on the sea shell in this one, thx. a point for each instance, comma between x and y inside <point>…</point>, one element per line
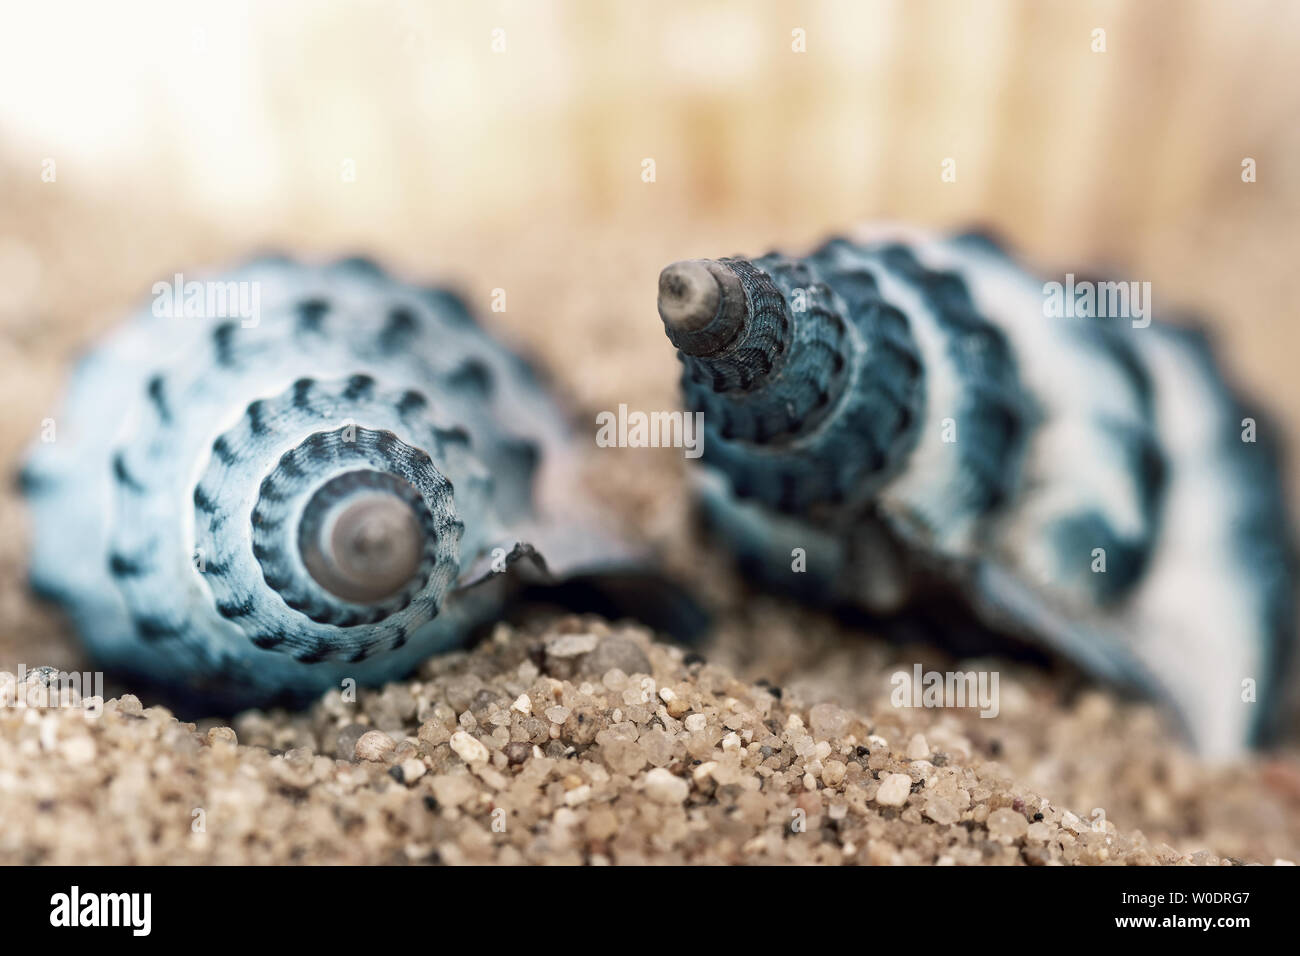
<point>254,509</point>
<point>906,412</point>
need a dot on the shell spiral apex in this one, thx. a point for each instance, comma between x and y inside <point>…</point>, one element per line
<point>910,415</point>
<point>250,510</point>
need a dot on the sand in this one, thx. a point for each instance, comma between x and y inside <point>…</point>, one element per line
<point>579,742</point>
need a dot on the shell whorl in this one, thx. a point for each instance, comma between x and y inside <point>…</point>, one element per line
<point>790,360</point>
<point>921,414</point>
<point>288,457</point>
<point>365,535</point>
<point>251,512</point>
<point>298,495</point>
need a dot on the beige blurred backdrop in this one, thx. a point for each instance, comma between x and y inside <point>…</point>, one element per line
<point>504,145</point>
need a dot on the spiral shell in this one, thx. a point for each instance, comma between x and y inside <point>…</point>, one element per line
<point>251,512</point>
<point>906,412</point>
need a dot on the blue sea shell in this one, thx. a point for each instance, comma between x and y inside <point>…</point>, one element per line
<point>252,509</point>
<point>909,417</point>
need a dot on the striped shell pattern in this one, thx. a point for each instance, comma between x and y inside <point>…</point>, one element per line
<point>904,411</point>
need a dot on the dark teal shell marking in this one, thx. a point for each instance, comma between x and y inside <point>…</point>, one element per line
<point>250,512</point>
<point>905,412</point>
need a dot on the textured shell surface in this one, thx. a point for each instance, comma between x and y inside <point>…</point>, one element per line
<point>252,511</point>
<point>902,407</point>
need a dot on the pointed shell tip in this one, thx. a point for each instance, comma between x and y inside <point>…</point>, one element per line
<point>689,295</point>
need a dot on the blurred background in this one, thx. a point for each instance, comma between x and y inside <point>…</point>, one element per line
<point>501,144</point>
<point>566,151</point>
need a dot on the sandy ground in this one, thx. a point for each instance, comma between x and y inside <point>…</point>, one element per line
<point>585,743</point>
<point>580,740</point>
